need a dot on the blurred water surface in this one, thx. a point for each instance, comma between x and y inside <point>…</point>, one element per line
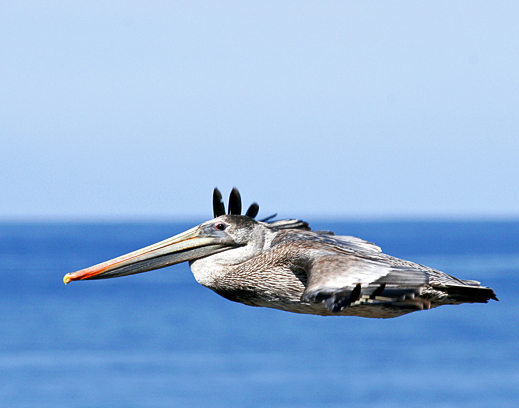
<point>160,339</point>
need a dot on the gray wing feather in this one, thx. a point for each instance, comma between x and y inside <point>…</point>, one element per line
<point>341,280</point>
<point>358,242</point>
<point>290,224</point>
<point>344,271</point>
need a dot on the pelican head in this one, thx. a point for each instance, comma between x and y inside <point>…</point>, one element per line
<point>240,236</point>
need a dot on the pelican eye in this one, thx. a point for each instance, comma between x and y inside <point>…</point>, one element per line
<point>220,226</point>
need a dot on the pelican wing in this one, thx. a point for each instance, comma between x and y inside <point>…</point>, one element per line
<point>341,280</point>
<point>344,271</point>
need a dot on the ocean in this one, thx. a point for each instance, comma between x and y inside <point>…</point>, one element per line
<point>159,339</point>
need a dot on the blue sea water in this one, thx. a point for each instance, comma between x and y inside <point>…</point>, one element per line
<point>161,340</point>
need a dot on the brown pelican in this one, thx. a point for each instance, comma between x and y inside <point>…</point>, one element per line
<point>284,265</point>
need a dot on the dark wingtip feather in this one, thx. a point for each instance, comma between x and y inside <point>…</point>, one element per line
<point>267,219</point>
<point>471,294</point>
<point>335,301</point>
<point>253,210</point>
<point>294,224</point>
<point>218,206</point>
<point>235,202</point>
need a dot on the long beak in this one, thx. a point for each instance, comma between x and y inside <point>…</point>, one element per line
<point>186,246</point>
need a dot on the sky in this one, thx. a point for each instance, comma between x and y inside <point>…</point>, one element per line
<point>136,110</point>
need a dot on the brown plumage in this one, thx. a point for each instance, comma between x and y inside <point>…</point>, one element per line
<point>284,265</point>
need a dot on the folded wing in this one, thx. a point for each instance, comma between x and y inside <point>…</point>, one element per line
<point>344,280</point>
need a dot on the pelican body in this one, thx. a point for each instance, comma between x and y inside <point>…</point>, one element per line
<point>284,265</point>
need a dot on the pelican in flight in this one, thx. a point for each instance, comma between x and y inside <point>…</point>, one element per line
<point>285,265</point>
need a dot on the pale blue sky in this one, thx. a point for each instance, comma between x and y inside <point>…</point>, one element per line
<point>136,110</point>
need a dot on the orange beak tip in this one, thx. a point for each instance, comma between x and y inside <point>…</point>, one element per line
<point>67,278</point>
